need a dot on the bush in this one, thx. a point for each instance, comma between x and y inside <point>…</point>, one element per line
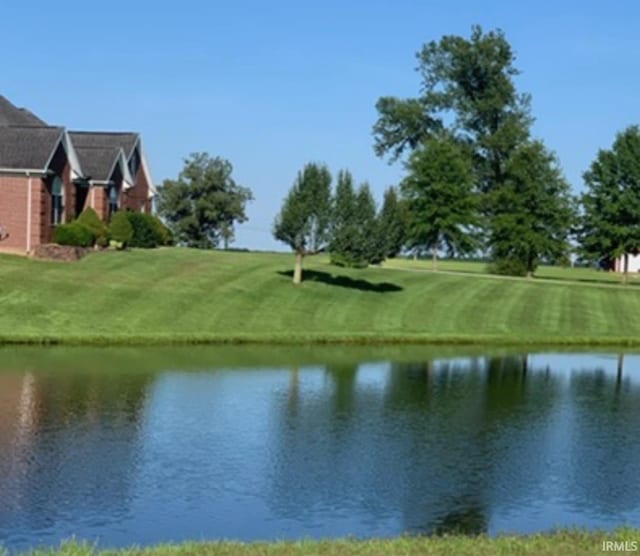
<point>509,266</point>
<point>165,235</point>
<point>74,233</point>
<point>145,230</point>
<point>90,220</point>
<point>120,229</point>
<point>339,259</point>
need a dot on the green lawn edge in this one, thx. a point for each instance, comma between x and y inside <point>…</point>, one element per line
<point>315,339</point>
<point>565,542</point>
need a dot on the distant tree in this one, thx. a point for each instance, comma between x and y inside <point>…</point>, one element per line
<point>343,214</point>
<point>610,223</point>
<point>356,239</point>
<point>392,222</point>
<point>304,219</point>
<point>203,205</point>
<point>442,206</point>
<point>533,212</point>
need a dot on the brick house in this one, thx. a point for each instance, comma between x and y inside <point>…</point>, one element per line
<point>49,175</point>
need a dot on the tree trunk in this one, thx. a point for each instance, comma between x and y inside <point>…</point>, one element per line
<point>625,276</point>
<point>620,366</point>
<point>297,272</point>
<point>434,258</point>
<point>529,275</point>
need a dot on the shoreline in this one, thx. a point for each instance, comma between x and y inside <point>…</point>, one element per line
<point>567,542</point>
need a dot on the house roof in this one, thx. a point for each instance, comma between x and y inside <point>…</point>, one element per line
<point>28,147</point>
<point>98,162</point>
<point>12,115</point>
<point>104,139</point>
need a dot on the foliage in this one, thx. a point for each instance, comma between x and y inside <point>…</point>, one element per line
<point>355,237</point>
<point>343,216</point>
<point>610,223</point>
<point>120,229</point>
<point>440,200</point>
<point>74,233</point>
<point>89,219</point>
<point>304,220</point>
<point>202,207</point>
<point>393,224</point>
<point>468,82</point>
<point>468,93</point>
<point>533,212</point>
<point>146,232</point>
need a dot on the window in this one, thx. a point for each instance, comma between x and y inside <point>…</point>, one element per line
<point>57,201</point>
<point>114,203</point>
<point>134,163</point>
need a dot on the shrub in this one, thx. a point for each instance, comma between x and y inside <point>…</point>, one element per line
<point>74,233</point>
<point>120,229</point>
<point>90,220</point>
<point>145,230</point>
<point>164,233</point>
<point>509,266</point>
<point>340,259</point>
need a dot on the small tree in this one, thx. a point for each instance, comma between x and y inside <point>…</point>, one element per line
<point>392,222</point>
<point>304,219</point>
<point>342,218</point>
<point>610,224</point>
<point>203,205</point>
<point>440,200</point>
<point>533,212</point>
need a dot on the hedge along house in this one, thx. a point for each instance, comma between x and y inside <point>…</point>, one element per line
<point>48,176</point>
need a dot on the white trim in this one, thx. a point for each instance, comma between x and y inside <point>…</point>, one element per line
<point>27,171</point>
<point>72,157</point>
<point>29,203</point>
<point>144,163</point>
<point>55,148</point>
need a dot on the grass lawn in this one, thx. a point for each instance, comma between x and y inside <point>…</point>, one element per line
<point>182,295</point>
<point>565,543</point>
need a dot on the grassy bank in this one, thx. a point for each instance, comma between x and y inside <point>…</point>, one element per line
<point>566,543</point>
<point>187,296</point>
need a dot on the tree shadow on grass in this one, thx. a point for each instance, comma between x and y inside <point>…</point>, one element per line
<point>343,281</point>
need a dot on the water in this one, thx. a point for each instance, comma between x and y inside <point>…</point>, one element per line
<point>146,446</point>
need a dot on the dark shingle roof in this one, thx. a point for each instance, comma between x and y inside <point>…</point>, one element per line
<point>27,147</point>
<point>98,139</point>
<point>97,162</point>
<point>12,115</point>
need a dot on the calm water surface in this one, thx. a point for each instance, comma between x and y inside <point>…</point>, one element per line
<point>147,446</point>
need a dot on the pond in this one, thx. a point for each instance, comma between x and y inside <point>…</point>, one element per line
<point>144,446</point>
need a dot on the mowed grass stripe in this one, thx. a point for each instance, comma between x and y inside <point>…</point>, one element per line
<point>185,294</point>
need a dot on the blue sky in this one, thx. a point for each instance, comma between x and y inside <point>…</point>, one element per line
<point>272,85</point>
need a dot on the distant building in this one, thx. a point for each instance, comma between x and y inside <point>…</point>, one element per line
<point>49,175</point>
<point>634,263</point>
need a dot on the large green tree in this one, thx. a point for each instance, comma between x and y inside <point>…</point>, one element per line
<point>610,223</point>
<point>202,206</point>
<point>533,212</point>
<point>442,205</point>
<point>305,217</point>
<point>468,93</point>
<point>467,87</point>
<point>392,222</point>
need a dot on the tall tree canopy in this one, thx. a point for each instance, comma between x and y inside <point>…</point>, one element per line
<point>440,198</point>
<point>203,205</point>
<point>468,94</point>
<point>304,219</point>
<point>610,224</point>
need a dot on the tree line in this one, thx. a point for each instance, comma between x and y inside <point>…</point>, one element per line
<point>476,182</point>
